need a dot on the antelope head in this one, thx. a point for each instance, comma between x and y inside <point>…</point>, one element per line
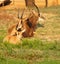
<point>19,26</point>
<point>16,29</point>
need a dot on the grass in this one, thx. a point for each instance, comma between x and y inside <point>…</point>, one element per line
<point>43,48</point>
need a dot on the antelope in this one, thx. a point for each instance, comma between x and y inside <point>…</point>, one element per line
<point>30,23</point>
<point>14,34</point>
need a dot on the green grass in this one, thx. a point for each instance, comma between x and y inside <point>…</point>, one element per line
<point>48,62</point>
<point>43,48</point>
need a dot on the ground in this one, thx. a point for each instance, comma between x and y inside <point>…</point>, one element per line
<point>43,48</point>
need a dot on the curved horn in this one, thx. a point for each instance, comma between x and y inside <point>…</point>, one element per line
<point>36,8</point>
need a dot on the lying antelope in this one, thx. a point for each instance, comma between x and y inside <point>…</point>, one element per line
<point>30,23</point>
<point>15,33</point>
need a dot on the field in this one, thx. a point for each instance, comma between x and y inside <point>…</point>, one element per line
<point>43,48</point>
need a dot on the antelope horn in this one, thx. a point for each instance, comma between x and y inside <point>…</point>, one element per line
<point>21,14</point>
<point>36,8</point>
<point>18,13</point>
